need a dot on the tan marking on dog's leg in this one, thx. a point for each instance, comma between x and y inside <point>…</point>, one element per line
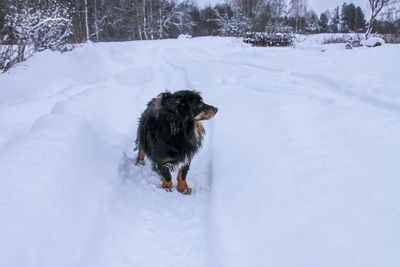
<point>182,185</point>
<point>140,157</point>
<point>166,185</point>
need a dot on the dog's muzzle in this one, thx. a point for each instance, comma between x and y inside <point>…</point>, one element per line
<point>210,111</point>
<point>207,113</point>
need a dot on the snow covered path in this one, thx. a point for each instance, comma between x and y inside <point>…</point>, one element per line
<point>299,167</point>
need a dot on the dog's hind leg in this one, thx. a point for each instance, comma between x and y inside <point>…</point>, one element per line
<point>182,185</point>
<point>140,157</point>
<point>164,174</point>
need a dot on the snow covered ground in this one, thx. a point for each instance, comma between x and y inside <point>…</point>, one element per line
<point>300,166</point>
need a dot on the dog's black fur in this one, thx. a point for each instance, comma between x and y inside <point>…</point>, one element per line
<point>170,133</point>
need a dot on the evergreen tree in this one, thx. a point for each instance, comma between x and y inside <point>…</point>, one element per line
<point>359,20</point>
<point>335,21</point>
<point>323,22</point>
<point>347,17</point>
<point>352,18</point>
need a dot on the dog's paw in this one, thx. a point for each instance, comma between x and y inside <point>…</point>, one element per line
<point>140,158</point>
<point>166,185</point>
<point>138,163</point>
<point>186,190</point>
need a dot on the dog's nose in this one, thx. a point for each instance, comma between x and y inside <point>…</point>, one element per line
<point>215,109</point>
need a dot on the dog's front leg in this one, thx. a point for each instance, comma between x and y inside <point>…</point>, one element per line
<point>165,176</point>
<point>140,157</point>
<point>182,185</point>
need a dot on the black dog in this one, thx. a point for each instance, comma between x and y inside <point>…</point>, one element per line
<point>170,133</point>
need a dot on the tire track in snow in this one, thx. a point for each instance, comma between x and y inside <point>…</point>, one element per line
<point>347,91</point>
<point>336,92</point>
<point>180,74</point>
<point>205,158</point>
<point>335,88</point>
<point>146,226</point>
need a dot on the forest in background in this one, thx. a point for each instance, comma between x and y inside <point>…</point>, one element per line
<point>28,26</point>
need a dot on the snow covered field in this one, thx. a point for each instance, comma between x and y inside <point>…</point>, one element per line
<point>300,166</point>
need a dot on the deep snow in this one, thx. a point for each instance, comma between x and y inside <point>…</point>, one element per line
<point>300,167</point>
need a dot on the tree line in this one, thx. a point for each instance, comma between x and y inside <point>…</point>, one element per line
<point>56,24</point>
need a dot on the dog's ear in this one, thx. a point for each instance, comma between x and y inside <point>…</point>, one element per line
<point>197,92</point>
<point>179,99</point>
<point>169,101</point>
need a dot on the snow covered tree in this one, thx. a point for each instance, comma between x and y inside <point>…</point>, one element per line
<point>261,13</point>
<point>176,18</point>
<point>237,25</point>
<point>37,25</point>
<point>312,22</point>
<point>43,24</point>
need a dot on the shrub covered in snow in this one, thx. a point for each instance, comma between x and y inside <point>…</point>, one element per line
<point>38,25</point>
<point>373,42</point>
<point>353,39</point>
<point>12,54</point>
<point>348,46</point>
<point>185,36</point>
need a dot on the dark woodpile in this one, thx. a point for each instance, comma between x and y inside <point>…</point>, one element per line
<point>269,38</point>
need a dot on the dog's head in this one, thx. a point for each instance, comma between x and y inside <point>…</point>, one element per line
<point>192,101</point>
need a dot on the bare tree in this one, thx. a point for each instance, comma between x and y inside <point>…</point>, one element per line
<point>376,7</point>
<point>298,10</point>
<point>250,8</point>
<point>87,21</point>
<point>98,19</point>
<point>279,7</point>
<point>177,18</point>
